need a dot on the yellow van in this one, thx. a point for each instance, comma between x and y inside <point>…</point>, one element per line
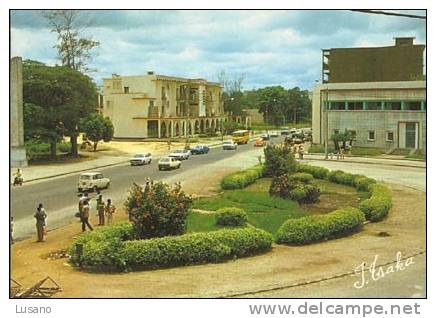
<point>240,136</point>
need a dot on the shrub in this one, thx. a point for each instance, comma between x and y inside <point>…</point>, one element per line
<point>301,177</point>
<point>362,183</point>
<point>107,250</point>
<point>64,147</point>
<point>231,217</point>
<point>317,172</point>
<point>320,227</point>
<point>157,209</point>
<point>279,160</point>
<point>377,206</point>
<point>341,177</point>
<point>241,179</point>
<point>290,186</point>
<point>305,193</point>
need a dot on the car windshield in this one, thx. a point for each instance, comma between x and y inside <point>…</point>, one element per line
<point>139,156</point>
<point>165,160</point>
<point>85,177</point>
<point>178,151</point>
<point>227,142</point>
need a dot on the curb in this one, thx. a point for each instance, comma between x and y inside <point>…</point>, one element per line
<point>366,162</point>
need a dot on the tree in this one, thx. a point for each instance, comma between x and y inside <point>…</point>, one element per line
<point>74,51</point>
<point>272,103</point>
<point>232,92</point>
<point>55,99</point>
<point>97,128</point>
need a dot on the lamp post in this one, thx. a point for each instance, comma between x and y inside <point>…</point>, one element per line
<point>326,124</point>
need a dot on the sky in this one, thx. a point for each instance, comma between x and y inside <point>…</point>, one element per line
<point>266,47</point>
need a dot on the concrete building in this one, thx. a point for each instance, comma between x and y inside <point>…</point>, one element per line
<point>18,151</point>
<point>158,106</point>
<point>382,103</point>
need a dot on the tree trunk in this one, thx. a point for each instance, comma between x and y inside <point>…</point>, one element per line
<point>295,115</point>
<point>53,149</point>
<point>95,145</point>
<point>73,141</point>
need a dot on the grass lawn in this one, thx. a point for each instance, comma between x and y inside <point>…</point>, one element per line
<point>268,212</point>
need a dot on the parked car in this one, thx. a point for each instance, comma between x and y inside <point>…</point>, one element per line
<point>141,159</point>
<point>274,134</point>
<point>168,163</point>
<point>230,145</point>
<point>199,149</point>
<point>259,143</point>
<point>180,154</point>
<point>264,136</point>
<point>92,181</point>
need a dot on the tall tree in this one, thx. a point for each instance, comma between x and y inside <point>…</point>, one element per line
<point>56,99</point>
<point>272,103</point>
<point>232,92</point>
<point>97,128</point>
<point>74,51</point>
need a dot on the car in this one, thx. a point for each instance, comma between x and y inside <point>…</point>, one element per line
<point>92,181</point>
<point>199,149</point>
<point>274,134</point>
<point>264,136</point>
<point>230,145</point>
<point>259,143</point>
<point>141,159</point>
<point>180,154</point>
<point>168,163</point>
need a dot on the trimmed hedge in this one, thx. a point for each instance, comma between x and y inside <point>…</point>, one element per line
<point>320,227</point>
<point>301,177</point>
<point>377,206</point>
<point>231,216</point>
<point>317,172</point>
<point>241,179</point>
<point>105,249</point>
<point>305,193</point>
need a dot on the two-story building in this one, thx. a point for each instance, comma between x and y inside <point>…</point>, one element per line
<point>158,106</point>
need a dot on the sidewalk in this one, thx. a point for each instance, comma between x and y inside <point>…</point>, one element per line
<point>368,160</point>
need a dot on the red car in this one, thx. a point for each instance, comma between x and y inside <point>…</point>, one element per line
<point>259,142</point>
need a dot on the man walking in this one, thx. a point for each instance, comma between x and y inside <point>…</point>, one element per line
<point>85,216</point>
<point>40,217</point>
<point>100,208</point>
<point>110,210</point>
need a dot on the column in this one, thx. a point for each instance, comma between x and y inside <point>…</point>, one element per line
<point>346,105</point>
<point>365,105</point>
<point>158,128</point>
<point>423,106</point>
<point>18,151</point>
<point>383,105</point>
<point>403,105</point>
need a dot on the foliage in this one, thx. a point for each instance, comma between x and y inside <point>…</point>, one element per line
<point>301,177</point>
<point>157,209</point>
<point>295,188</point>
<point>320,149</point>
<point>113,249</point>
<point>366,151</point>
<point>317,172</point>
<point>378,205</point>
<point>97,128</point>
<point>241,179</point>
<point>279,160</point>
<point>39,150</point>
<point>230,126</point>
<point>230,216</point>
<point>320,227</point>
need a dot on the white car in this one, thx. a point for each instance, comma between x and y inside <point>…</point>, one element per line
<point>92,181</point>
<point>274,134</point>
<point>230,145</point>
<point>141,159</point>
<point>180,154</point>
<point>168,163</point>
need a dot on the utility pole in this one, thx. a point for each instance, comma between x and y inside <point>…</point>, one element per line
<point>326,123</point>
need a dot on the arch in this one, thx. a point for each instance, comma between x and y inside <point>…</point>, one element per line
<point>213,124</point>
<point>202,126</point>
<point>170,129</point>
<point>196,126</point>
<point>163,130</point>
<point>207,123</point>
<point>177,129</point>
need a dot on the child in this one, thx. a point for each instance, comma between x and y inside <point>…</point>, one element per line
<point>110,210</point>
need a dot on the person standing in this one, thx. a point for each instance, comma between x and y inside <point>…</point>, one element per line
<point>85,216</point>
<point>100,208</point>
<point>40,217</point>
<point>301,152</point>
<point>12,230</point>
<point>341,154</point>
<point>110,210</point>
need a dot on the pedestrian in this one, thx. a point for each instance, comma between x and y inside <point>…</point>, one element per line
<point>18,177</point>
<point>110,210</point>
<point>85,216</point>
<point>100,208</point>
<point>341,154</point>
<point>12,230</point>
<point>301,152</point>
<point>40,217</point>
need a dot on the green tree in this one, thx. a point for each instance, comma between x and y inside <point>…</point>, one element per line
<point>273,102</point>
<point>98,128</point>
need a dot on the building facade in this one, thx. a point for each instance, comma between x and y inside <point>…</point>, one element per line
<point>158,106</point>
<point>382,103</point>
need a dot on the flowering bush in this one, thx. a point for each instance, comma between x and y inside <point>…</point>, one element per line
<point>157,209</point>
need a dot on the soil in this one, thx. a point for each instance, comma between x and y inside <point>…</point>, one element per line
<point>403,230</point>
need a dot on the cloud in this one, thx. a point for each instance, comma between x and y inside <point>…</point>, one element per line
<point>281,47</point>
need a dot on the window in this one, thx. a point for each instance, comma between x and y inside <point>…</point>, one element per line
<point>151,103</point>
<point>337,105</point>
<point>355,105</point>
<point>389,136</point>
<point>126,90</point>
<point>412,105</point>
<point>371,135</point>
<point>392,105</point>
<point>374,105</point>
<point>353,134</point>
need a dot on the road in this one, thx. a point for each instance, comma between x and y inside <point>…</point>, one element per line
<point>59,195</point>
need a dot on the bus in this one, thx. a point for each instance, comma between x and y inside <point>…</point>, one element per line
<point>240,136</point>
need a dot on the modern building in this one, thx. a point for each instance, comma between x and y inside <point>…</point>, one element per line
<point>158,106</point>
<point>378,106</point>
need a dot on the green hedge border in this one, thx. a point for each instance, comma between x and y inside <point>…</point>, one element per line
<point>112,248</point>
<point>241,179</point>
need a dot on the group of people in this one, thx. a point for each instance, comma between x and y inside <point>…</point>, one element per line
<point>105,212</point>
<point>340,154</point>
<point>300,150</point>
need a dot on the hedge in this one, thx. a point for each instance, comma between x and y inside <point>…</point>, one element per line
<point>317,172</point>
<point>241,179</point>
<point>377,206</point>
<point>301,177</point>
<point>320,227</point>
<point>106,250</point>
<point>230,216</point>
